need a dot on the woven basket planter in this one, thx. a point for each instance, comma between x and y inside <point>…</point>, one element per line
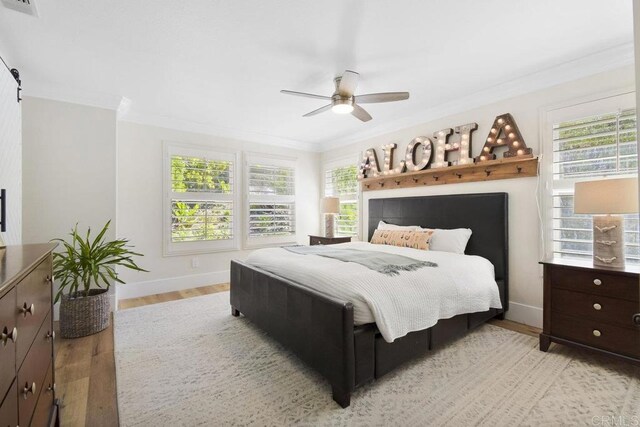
<point>81,316</point>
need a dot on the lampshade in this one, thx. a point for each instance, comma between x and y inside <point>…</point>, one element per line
<point>330,205</point>
<point>606,196</point>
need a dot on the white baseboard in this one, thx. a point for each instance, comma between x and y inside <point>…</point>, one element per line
<point>527,314</point>
<point>151,287</point>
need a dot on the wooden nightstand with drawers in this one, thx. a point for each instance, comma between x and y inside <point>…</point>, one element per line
<point>592,308</point>
<point>321,240</point>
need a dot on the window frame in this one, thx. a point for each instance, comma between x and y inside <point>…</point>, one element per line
<point>603,103</point>
<point>171,248</point>
<point>250,158</point>
<point>349,160</point>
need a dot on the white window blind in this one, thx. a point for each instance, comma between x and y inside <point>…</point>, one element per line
<point>271,201</point>
<point>342,182</point>
<point>200,200</point>
<point>588,147</point>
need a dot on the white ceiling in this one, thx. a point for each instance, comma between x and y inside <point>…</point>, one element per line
<point>217,66</point>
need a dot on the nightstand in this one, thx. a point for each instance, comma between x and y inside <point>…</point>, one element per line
<point>321,240</point>
<point>593,308</point>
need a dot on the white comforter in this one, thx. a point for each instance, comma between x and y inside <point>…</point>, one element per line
<point>400,304</point>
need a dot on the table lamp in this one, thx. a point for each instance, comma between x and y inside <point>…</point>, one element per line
<point>329,207</point>
<point>606,199</point>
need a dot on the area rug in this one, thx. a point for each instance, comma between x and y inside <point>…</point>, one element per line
<point>189,362</point>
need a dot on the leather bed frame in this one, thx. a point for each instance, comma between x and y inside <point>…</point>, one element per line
<point>319,328</point>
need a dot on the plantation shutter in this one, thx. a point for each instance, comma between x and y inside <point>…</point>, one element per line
<point>585,148</point>
<point>201,200</point>
<point>342,182</point>
<point>271,201</point>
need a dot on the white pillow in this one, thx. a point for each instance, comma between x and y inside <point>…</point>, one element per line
<point>384,226</point>
<point>450,240</point>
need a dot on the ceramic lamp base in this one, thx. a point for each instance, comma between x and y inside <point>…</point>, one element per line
<point>608,241</point>
<point>329,225</point>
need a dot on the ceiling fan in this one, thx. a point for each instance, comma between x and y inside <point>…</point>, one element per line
<point>343,100</point>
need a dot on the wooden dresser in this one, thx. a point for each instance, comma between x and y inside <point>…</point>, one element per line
<point>27,388</point>
<point>592,308</point>
<point>321,240</point>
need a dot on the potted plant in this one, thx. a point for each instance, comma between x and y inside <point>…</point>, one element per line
<point>84,271</point>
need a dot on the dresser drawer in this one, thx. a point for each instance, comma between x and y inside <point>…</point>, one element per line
<point>612,338</point>
<point>33,305</point>
<point>594,307</point>
<point>42,413</point>
<point>9,334</point>
<point>34,370</point>
<point>9,408</point>
<point>593,282</point>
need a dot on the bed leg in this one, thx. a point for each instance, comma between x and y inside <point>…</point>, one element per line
<point>500,316</point>
<point>342,398</point>
<point>235,312</point>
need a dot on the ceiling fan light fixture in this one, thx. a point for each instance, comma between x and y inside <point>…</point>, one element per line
<point>342,105</point>
<point>342,108</point>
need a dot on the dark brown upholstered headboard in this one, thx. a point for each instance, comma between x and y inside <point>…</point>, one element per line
<point>486,214</point>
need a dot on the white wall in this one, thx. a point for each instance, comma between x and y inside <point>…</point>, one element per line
<point>10,155</point>
<point>524,235</point>
<point>140,204</point>
<point>69,172</point>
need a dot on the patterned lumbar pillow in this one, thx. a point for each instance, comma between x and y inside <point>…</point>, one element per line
<point>403,238</point>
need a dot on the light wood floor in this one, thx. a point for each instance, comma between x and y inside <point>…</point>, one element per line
<point>85,367</point>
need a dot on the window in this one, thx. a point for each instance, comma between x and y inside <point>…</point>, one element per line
<point>271,205</point>
<point>593,140</point>
<point>200,200</point>
<point>342,181</point>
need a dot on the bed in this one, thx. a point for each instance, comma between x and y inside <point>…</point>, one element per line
<point>320,328</point>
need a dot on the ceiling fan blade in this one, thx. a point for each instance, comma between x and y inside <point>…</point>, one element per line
<point>319,110</point>
<point>371,98</point>
<point>361,113</point>
<point>306,95</point>
<point>348,83</point>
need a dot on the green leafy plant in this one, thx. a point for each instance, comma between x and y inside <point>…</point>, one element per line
<point>83,262</point>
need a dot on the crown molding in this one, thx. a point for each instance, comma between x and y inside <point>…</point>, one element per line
<point>207,129</point>
<point>599,62</point>
<point>71,95</point>
<point>606,60</point>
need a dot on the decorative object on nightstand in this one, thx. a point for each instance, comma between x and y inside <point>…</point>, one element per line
<point>606,199</point>
<point>321,240</point>
<point>593,308</point>
<point>329,207</point>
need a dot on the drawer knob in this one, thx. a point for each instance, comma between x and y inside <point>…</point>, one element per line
<point>596,333</point>
<point>29,389</point>
<point>52,387</point>
<point>31,309</point>
<point>597,282</point>
<point>6,335</point>
<point>50,335</point>
<point>597,307</point>
<point>47,279</point>
<point>636,319</point>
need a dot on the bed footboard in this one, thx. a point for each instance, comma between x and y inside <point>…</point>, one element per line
<point>318,328</point>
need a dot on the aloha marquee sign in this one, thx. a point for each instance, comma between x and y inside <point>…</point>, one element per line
<point>432,151</point>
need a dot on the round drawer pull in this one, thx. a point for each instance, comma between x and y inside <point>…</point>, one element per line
<point>31,309</point>
<point>29,389</point>
<point>51,387</point>
<point>597,282</point>
<point>596,333</point>
<point>47,279</point>
<point>597,307</point>
<point>50,335</point>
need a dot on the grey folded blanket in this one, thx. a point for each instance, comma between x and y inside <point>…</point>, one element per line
<point>382,262</point>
